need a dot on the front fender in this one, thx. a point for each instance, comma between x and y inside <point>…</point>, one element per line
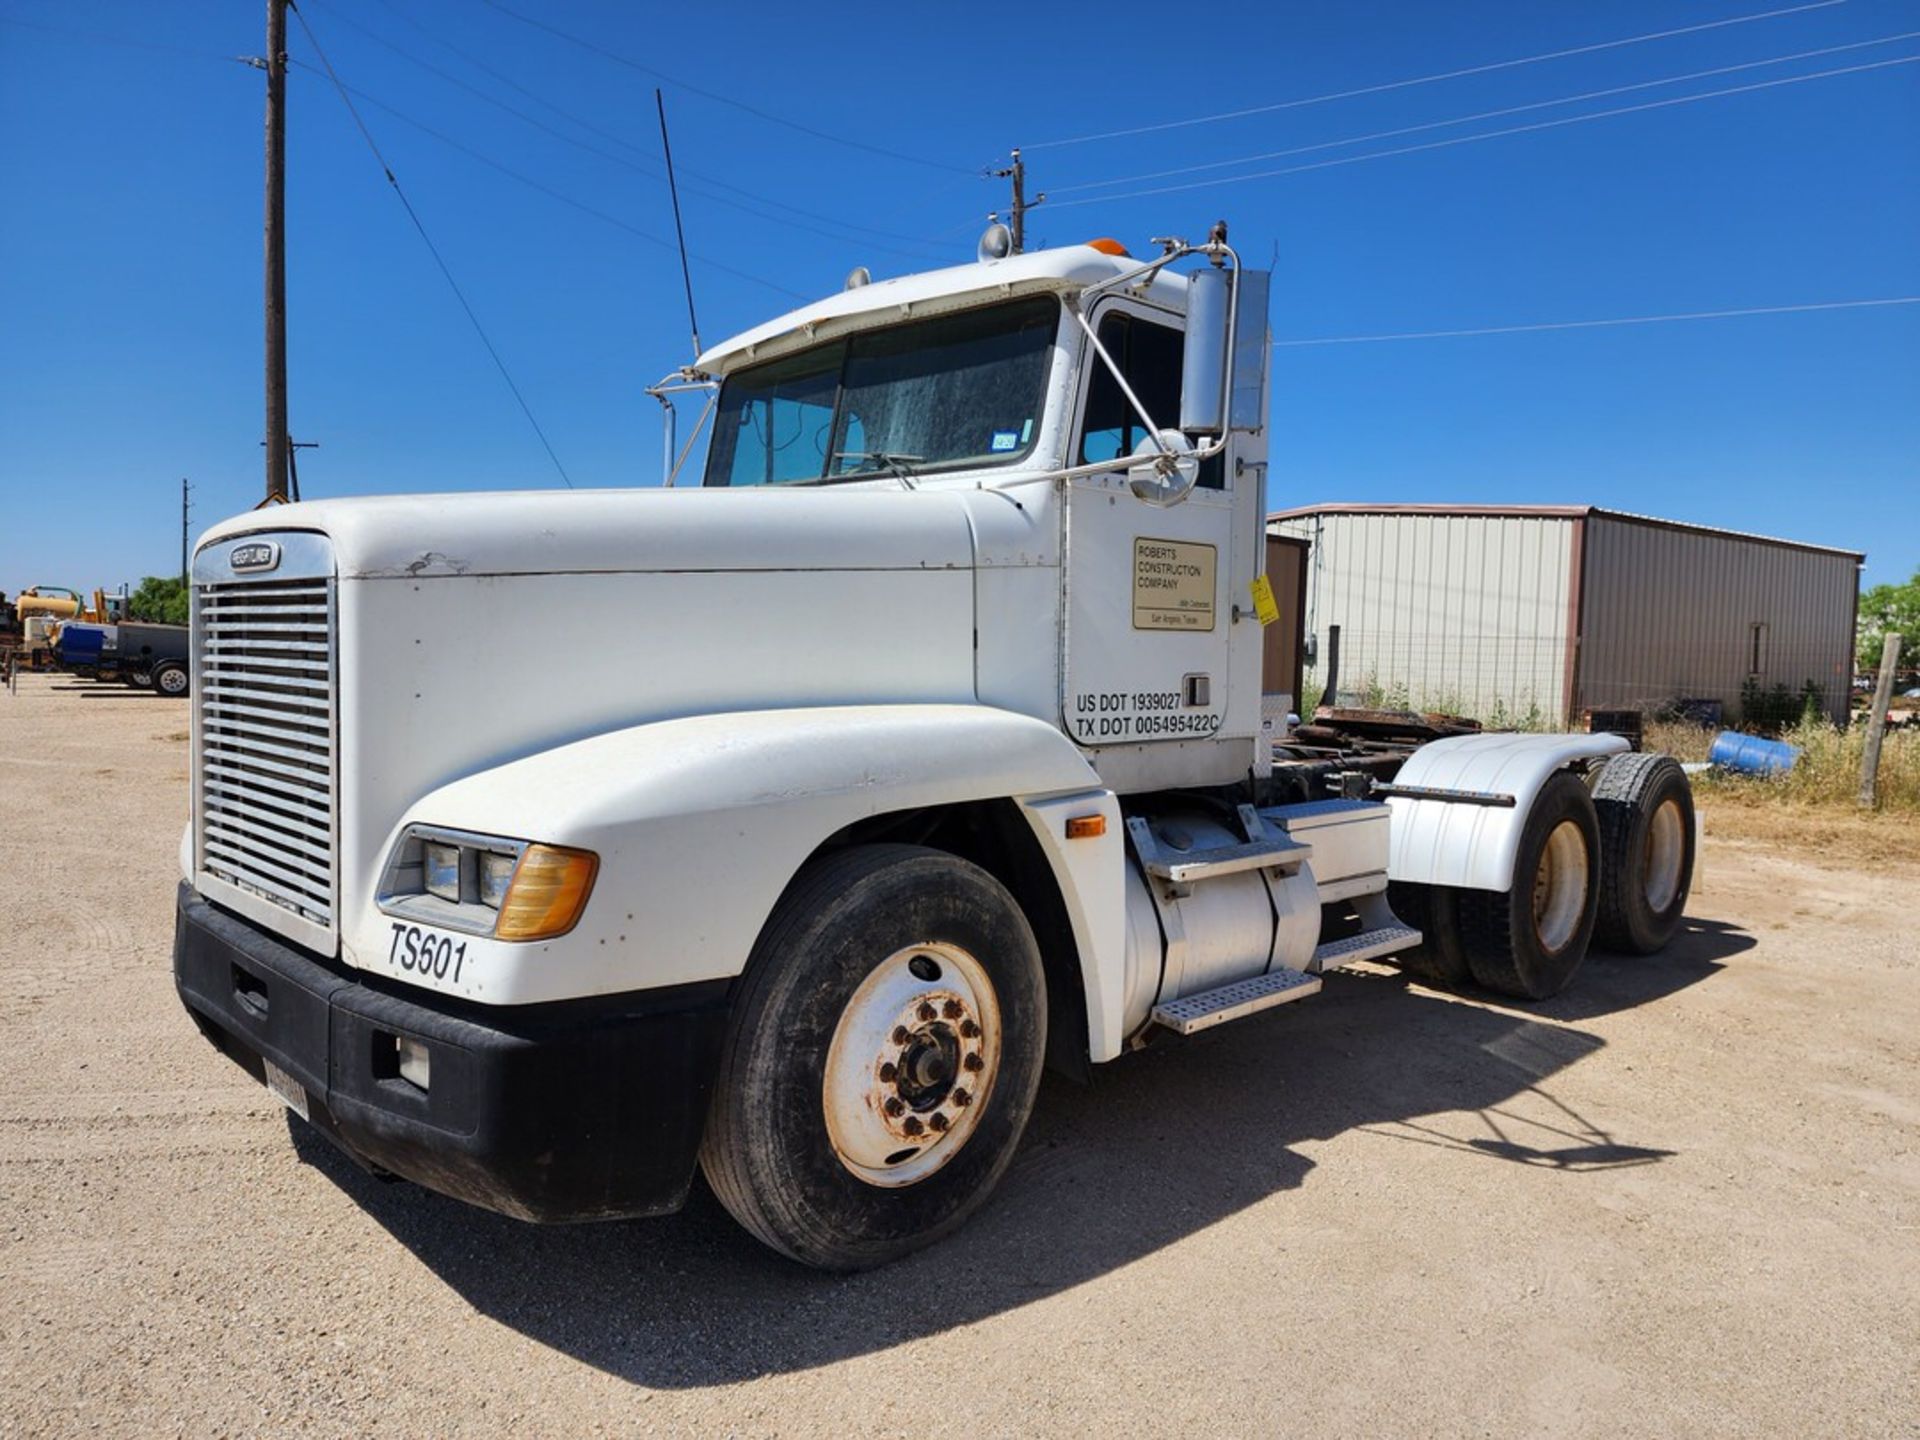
<point>701,822</point>
<point>1438,842</point>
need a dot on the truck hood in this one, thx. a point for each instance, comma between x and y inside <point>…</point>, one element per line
<point>545,532</point>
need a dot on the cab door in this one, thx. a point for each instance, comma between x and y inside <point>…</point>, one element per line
<point>1149,588</point>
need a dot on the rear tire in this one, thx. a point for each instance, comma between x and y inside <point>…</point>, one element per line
<point>1433,910</point>
<point>881,1060</point>
<point>170,680</point>
<point>1646,852</point>
<point>1528,941</point>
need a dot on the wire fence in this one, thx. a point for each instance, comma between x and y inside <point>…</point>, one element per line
<point>1542,681</point>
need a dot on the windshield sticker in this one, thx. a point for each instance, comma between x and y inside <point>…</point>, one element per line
<point>1004,440</point>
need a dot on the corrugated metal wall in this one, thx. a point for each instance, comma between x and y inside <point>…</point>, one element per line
<point>1673,613</point>
<point>1468,613</point>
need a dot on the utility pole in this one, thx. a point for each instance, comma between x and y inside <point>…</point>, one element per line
<point>184,488</point>
<point>276,258</point>
<point>1017,172</point>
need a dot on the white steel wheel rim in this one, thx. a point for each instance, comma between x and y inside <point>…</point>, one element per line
<point>912,1064</point>
<point>1666,849</point>
<point>172,682</point>
<point>1560,887</point>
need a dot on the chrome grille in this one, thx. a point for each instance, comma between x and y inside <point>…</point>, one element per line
<point>265,688</point>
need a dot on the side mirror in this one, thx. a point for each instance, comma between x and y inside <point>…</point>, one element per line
<point>1164,476</point>
<point>1203,371</point>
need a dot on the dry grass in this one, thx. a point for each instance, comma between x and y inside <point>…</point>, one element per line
<point>1814,806</point>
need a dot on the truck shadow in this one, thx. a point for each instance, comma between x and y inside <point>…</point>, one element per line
<point>1160,1146</point>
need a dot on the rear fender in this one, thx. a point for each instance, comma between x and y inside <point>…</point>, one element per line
<point>1439,842</point>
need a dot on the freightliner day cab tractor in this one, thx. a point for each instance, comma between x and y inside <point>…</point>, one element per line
<point>925,753</point>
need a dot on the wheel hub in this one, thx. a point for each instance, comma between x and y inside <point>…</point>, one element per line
<point>1666,850</point>
<point>1560,887</point>
<point>911,1063</point>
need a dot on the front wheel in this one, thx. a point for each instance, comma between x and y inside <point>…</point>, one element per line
<point>881,1060</point>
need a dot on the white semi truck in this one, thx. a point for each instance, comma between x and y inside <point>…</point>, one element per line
<point>547,847</point>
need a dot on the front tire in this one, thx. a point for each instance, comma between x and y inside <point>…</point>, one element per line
<point>882,1057</point>
<point>1528,941</point>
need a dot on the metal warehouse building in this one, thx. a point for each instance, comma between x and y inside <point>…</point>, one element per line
<point>1549,611</point>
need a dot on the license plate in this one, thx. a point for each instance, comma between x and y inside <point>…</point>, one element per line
<point>287,1090</point>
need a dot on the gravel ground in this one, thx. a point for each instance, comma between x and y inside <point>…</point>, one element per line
<point>1680,1200</point>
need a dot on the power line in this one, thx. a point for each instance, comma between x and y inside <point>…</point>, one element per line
<point>432,249</point>
<point>1601,324</point>
<point>626,144</point>
<point>98,37</point>
<point>1484,115</point>
<point>644,167</point>
<point>742,105</point>
<point>1431,79</point>
<point>1488,135</point>
<point>553,194</point>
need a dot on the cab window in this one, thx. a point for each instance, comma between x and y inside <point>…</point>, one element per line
<point>1150,356</point>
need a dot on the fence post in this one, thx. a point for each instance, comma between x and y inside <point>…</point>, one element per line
<point>1877,721</point>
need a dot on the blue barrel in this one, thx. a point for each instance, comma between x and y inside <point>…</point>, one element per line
<point>1750,755</point>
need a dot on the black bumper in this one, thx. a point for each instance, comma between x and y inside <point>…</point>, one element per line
<point>577,1110</point>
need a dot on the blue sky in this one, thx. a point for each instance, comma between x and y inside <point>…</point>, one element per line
<point>130,260</point>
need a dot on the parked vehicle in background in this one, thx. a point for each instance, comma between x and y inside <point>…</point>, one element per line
<point>156,657</point>
<point>928,753</point>
<point>152,657</point>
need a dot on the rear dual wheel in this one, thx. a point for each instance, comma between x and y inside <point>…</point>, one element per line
<point>1647,850</point>
<point>1433,910</point>
<point>881,1060</point>
<point>1528,941</point>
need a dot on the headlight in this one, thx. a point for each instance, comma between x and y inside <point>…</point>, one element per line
<point>442,863</point>
<point>486,884</point>
<point>496,874</point>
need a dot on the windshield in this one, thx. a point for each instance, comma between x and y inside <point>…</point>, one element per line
<point>948,393</point>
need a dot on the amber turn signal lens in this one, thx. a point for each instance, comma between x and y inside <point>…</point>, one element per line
<point>1086,827</point>
<point>549,890</point>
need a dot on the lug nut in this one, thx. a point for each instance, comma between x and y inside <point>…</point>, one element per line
<point>951,1009</point>
<point>925,1012</point>
<point>969,1029</point>
<point>962,1099</point>
<point>974,1063</point>
<point>895,1105</point>
<point>938,1122</point>
<point>899,1034</point>
<point>887,1071</point>
<point>913,1125</point>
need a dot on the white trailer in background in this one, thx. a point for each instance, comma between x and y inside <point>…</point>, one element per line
<point>916,748</point>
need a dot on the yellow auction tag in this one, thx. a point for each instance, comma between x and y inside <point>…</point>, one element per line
<point>1265,608</point>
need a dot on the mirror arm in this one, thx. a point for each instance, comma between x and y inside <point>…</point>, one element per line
<point>680,382</point>
<point>1153,430</point>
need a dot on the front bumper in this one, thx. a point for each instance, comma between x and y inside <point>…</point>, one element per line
<point>577,1110</point>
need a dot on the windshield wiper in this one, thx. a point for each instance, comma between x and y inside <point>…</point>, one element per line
<point>896,465</point>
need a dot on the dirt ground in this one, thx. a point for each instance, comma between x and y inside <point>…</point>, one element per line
<point>1683,1199</point>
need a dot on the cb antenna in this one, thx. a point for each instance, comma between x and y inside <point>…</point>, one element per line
<point>680,234</point>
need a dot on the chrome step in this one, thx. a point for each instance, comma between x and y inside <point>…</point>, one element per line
<point>1265,850</point>
<point>1183,867</point>
<point>1230,1002</point>
<point>1367,945</point>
